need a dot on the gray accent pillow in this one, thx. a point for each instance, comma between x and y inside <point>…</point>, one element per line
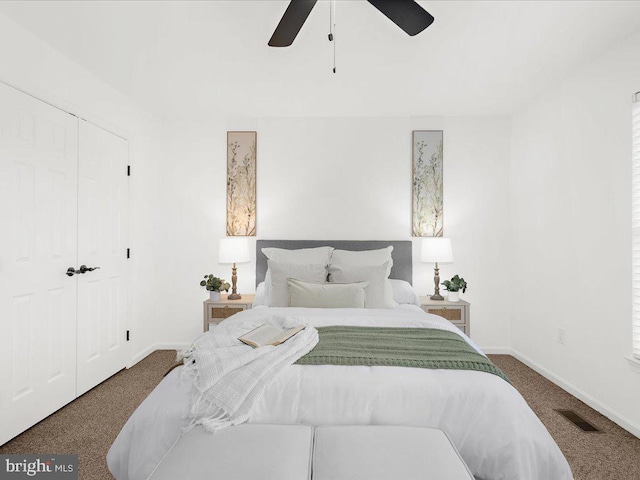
<point>378,294</point>
<point>278,289</point>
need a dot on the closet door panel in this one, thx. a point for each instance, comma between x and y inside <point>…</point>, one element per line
<point>102,242</point>
<point>38,242</point>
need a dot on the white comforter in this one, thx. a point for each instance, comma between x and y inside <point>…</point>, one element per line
<point>494,429</point>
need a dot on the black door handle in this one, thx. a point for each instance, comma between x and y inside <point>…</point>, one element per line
<point>83,269</point>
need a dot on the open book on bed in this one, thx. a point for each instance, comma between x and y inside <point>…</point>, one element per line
<point>268,335</point>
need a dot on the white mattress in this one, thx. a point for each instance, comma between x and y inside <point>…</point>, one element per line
<point>489,422</point>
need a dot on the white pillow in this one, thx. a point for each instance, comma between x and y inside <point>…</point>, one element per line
<point>403,292</point>
<point>364,258</point>
<point>368,258</point>
<point>379,293</point>
<point>261,295</point>
<point>326,295</point>
<point>302,256</point>
<point>281,272</point>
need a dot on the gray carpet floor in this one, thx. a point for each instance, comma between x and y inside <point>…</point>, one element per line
<point>89,425</point>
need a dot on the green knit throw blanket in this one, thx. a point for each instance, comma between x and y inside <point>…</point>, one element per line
<point>396,347</point>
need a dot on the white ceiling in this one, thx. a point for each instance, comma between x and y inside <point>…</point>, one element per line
<point>200,59</point>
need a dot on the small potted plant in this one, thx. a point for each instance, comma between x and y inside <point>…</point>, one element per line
<point>453,288</point>
<point>215,285</point>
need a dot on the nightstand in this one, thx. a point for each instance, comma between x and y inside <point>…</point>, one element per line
<point>457,313</point>
<point>215,312</point>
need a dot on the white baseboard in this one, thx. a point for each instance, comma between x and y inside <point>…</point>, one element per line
<point>158,346</point>
<point>615,417</point>
<point>496,350</point>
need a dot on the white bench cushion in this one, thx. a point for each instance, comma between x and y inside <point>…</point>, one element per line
<point>385,452</point>
<point>267,452</point>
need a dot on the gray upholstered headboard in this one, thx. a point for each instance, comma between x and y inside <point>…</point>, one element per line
<point>402,253</point>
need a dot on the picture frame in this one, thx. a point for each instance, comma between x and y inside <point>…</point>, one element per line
<point>427,215</point>
<point>241,183</point>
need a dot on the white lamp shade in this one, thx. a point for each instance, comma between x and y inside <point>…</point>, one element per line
<point>436,249</point>
<point>234,250</point>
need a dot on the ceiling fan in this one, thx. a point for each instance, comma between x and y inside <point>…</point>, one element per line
<point>406,14</point>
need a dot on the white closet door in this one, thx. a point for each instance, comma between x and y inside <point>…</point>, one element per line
<point>102,242</point>
<point>38,242</point>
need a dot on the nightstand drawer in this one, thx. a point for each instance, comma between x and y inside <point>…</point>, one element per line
<point>215,311</point>
<point>452,314</point>
<point>455,312</point>
<point>224,312</point>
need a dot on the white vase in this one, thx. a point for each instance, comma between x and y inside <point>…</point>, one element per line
<point>214,296</point>
<point>453,296</point>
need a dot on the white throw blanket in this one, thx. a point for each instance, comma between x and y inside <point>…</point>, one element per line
<point>229,376</point>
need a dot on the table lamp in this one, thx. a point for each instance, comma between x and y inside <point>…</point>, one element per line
<point>234,250</point>
<point>436,250</point>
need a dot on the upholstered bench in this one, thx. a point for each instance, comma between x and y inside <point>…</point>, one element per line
<point>384,452</point>
<point>244,452</point>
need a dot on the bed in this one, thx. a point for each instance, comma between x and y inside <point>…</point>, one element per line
<point>489,422</point>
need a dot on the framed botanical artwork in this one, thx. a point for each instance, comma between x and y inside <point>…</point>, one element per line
<point>241,183</point>
<point>427,214</point>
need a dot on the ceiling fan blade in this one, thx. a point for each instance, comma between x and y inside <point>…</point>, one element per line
<point>406,14</point>
<point>291,22</point>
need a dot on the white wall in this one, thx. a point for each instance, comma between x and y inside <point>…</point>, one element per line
<point>571,217</point>
<point>36,68</point>
<point>336,178</point>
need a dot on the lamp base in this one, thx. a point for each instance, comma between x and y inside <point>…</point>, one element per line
<point>234,278</point>
<point>436,297</point>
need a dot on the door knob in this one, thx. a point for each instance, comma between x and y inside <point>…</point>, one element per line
<point>84,269</point>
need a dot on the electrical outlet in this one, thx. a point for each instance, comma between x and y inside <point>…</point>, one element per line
<point>561,335</point>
